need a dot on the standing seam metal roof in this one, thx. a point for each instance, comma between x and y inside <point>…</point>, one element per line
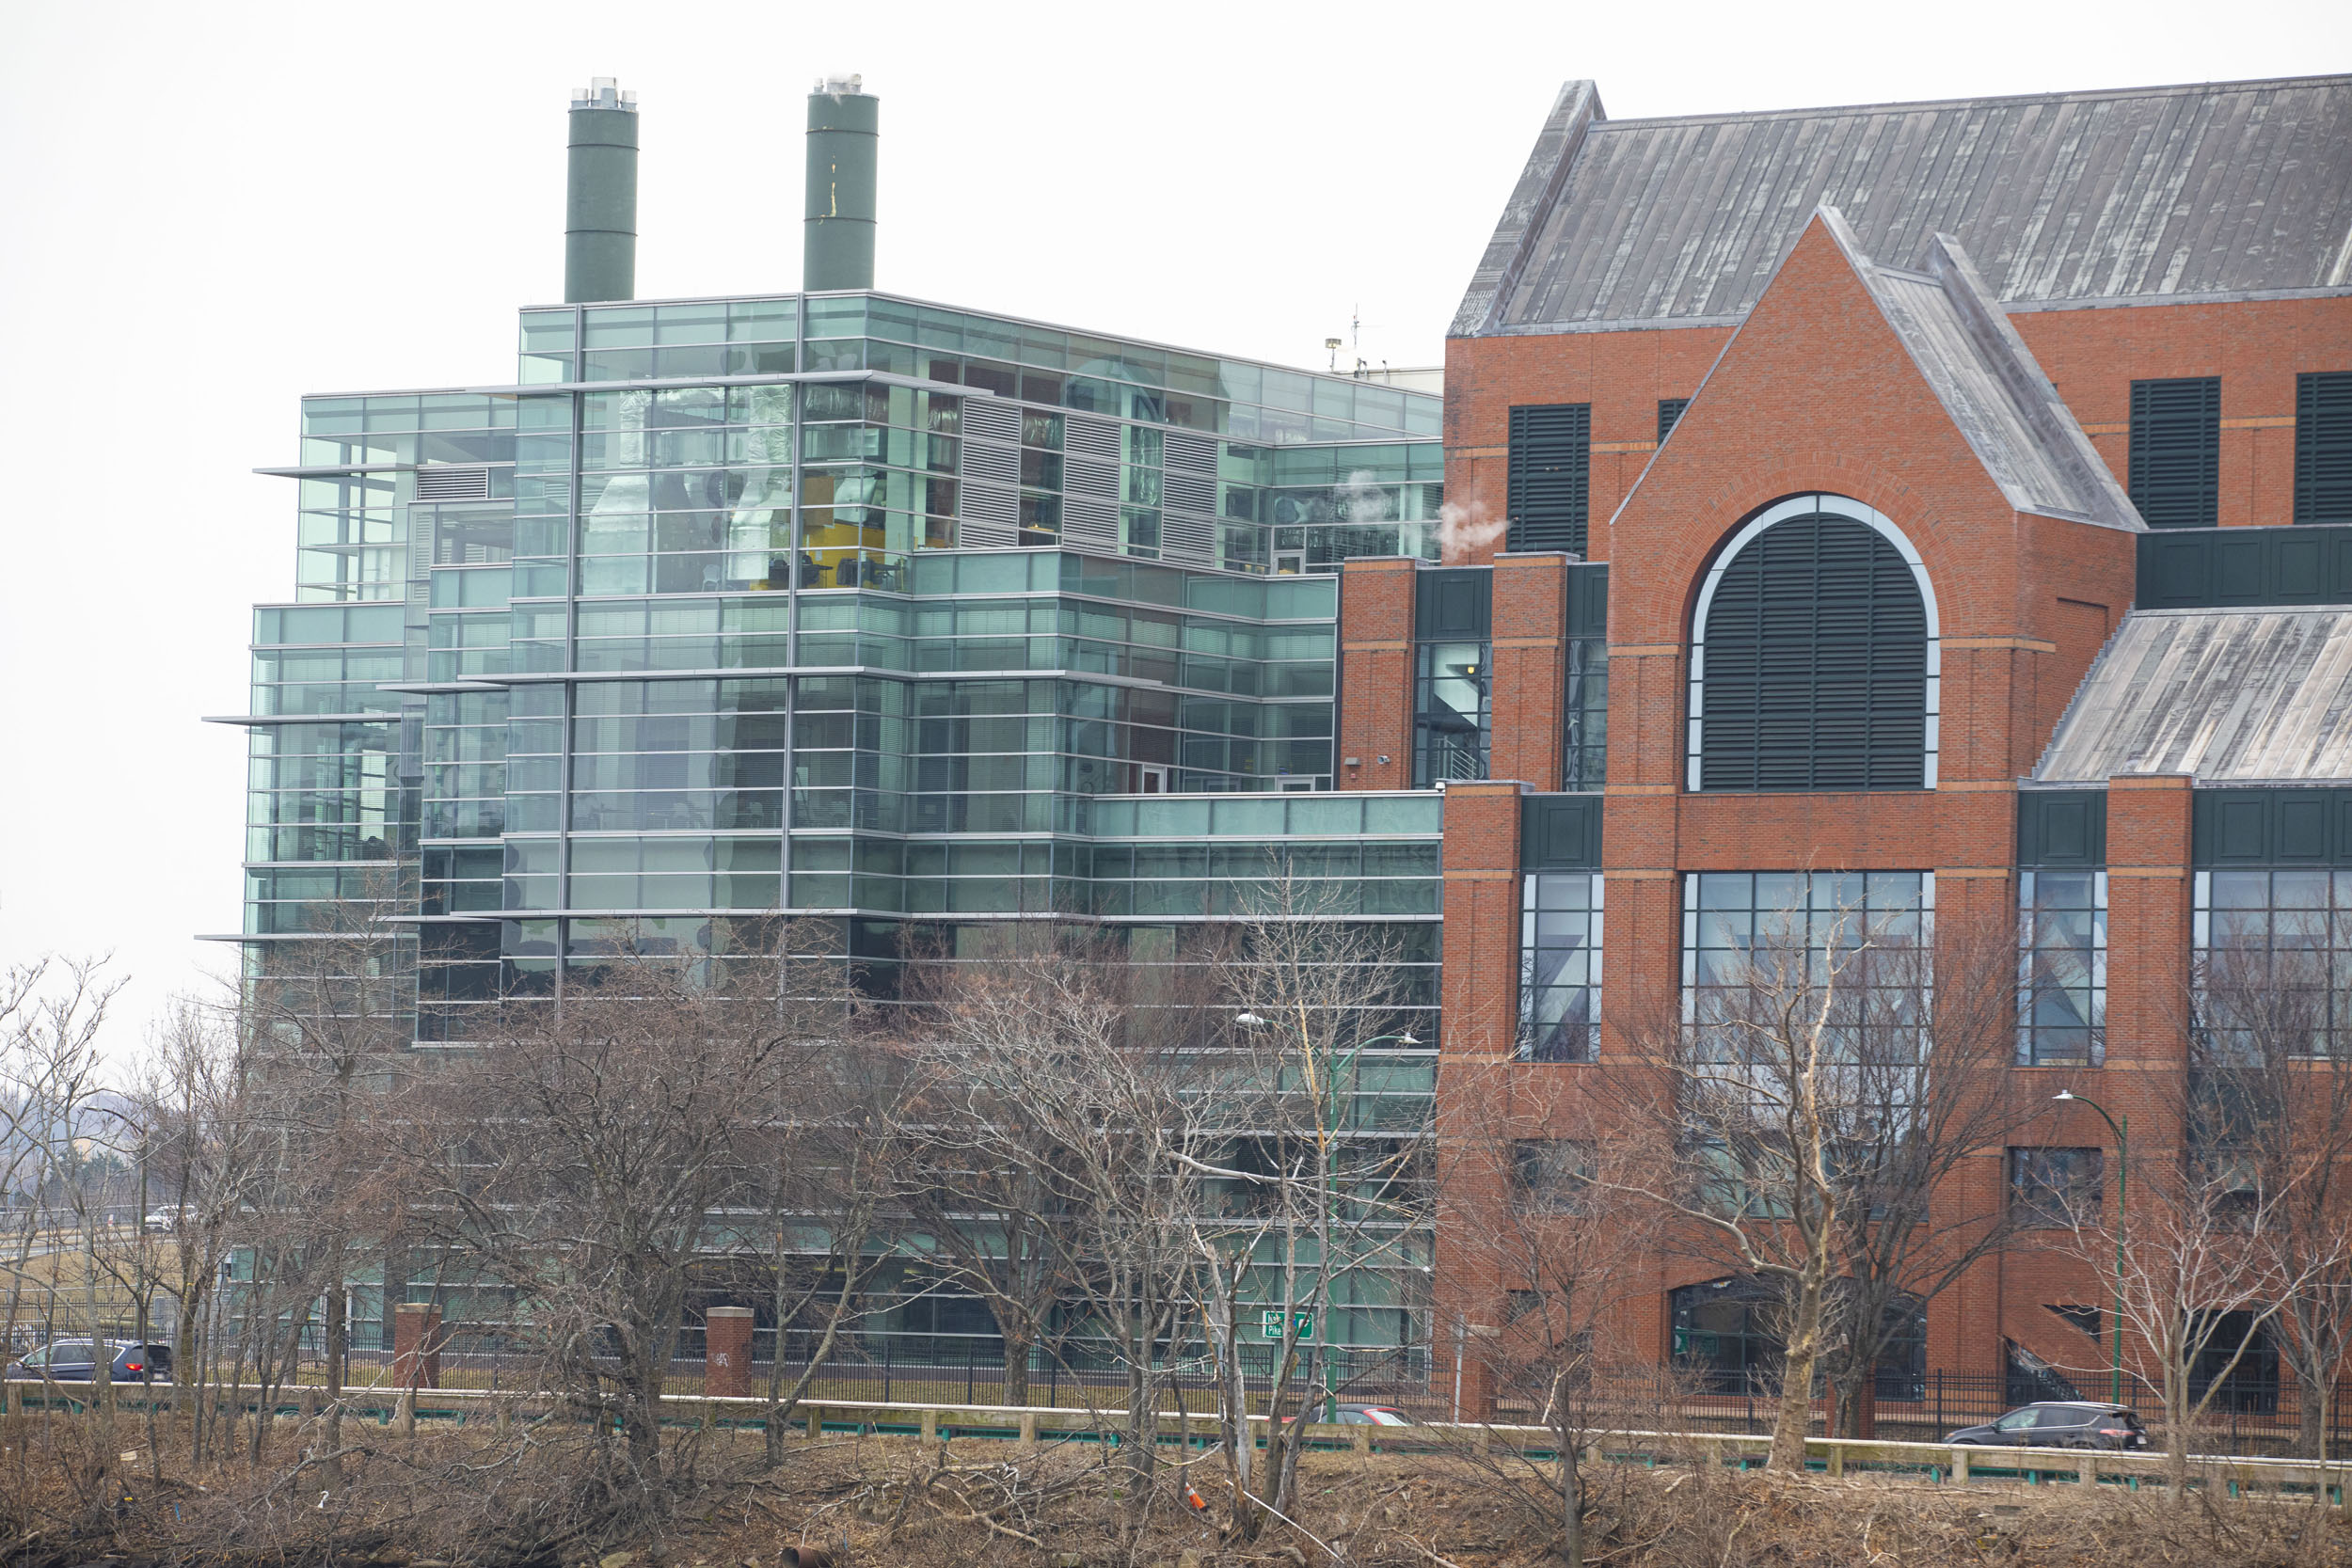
<point>1988,381</point>
<point>2193,192</point>
<point>2246,696</point>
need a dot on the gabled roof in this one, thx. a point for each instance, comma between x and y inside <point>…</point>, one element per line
<point>2200,192</point>
<point>1983,375</point>
<point>1989,383</point>
<point>2241,696</point>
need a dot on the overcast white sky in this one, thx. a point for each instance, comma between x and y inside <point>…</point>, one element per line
<point>206,211</point>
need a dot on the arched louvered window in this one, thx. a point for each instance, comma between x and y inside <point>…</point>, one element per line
<point>1813,658</point>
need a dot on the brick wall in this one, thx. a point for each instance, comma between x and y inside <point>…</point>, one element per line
<point>1622,375</point>
<point>1482,917</point>
<point>1375,675</point>
<point>1816,393</point>
<point>2256,347</point>
<point>1530,668</point>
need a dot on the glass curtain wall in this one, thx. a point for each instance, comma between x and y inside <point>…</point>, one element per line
<point>689,652</point>
<point>1106,443</point>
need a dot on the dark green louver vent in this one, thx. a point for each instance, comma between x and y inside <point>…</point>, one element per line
<point>1669,415</point>
<point>2323,447</point>
<point>1815,664</point>
<point>1454,604</point>
<point>1551,456</point>
<point>2176,451</point>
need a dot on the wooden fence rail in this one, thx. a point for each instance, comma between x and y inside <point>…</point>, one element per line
<point>1034,1425</point>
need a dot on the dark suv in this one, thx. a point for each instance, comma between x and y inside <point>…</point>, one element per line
<point>2055,1425</point>
<point>75,1361</point>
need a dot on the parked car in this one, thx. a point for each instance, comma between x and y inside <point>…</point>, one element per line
<point>74,1361</point>
<point>1353,1415</point>
<point>1372,1416</point>
<point>2055,1424</point>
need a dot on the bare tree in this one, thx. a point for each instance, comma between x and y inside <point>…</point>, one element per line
<point>578,1158</point>
<point>1805,1103</point>
<point>1564,1249</point>
<point>1332,1190</point>
<point>989,1227</point>
<point>326,1022</point>
<point>51,1090</point>
<point>835,1173</point>
<point>2269,1109</point>
<point>1909,1229</point>
<point>205,1160</point>
<point>61,1112</point>
<point>1057,1075</point>
<point>2203,1263</point>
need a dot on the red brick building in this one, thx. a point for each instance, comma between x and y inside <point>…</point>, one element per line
<point>1846,493</point>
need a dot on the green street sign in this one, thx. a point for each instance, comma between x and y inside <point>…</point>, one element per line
<point>1270,1323</point>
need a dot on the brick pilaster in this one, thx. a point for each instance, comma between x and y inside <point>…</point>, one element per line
<point>416,1345</point>
<point>2148,918</point>
<point>728,1352</point>
<point>1375,700</point>
<point>1530,668</point>
<point>1482,916</point>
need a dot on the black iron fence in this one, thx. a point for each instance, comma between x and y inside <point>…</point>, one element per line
<point>947,1368</point>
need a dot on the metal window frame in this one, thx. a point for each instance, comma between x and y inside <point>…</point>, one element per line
<point>1595,911</point>
<point>2028,950</point>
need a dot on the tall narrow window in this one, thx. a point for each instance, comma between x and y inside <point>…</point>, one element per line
<point>1453,688</point>
<point>1669,415</point>
<point>2062,1000</point>
<point>1453,713</point>
<point>1560,926</point>
<point>1814,662</point>
<point>1584,732</point>
<point>2176,451</point>
<point>2323,447</point>
<point>1552,445</point>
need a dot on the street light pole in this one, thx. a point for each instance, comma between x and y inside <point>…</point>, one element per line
<point>2122,1177</point>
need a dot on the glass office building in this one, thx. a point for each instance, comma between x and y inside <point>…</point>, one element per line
<point>914,621</point>
<point>841,605</point>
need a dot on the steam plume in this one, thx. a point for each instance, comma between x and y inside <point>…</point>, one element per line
<point>1462,530</point>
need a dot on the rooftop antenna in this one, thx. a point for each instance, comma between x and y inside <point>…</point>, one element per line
<point>1333,344</point>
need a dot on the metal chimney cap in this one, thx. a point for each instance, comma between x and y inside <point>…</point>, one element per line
<point>603,92</point>
<point>837,85</point>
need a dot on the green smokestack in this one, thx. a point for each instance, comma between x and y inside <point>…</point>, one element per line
<point>600,196</point>
<point>838,240</point>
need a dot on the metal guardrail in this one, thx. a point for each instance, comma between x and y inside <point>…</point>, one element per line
<point>1034,1425</point>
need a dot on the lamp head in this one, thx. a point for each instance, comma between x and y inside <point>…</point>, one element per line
<point>2064,1094</point>
<point>1249,1021</point>
<point>1407,1038</point>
